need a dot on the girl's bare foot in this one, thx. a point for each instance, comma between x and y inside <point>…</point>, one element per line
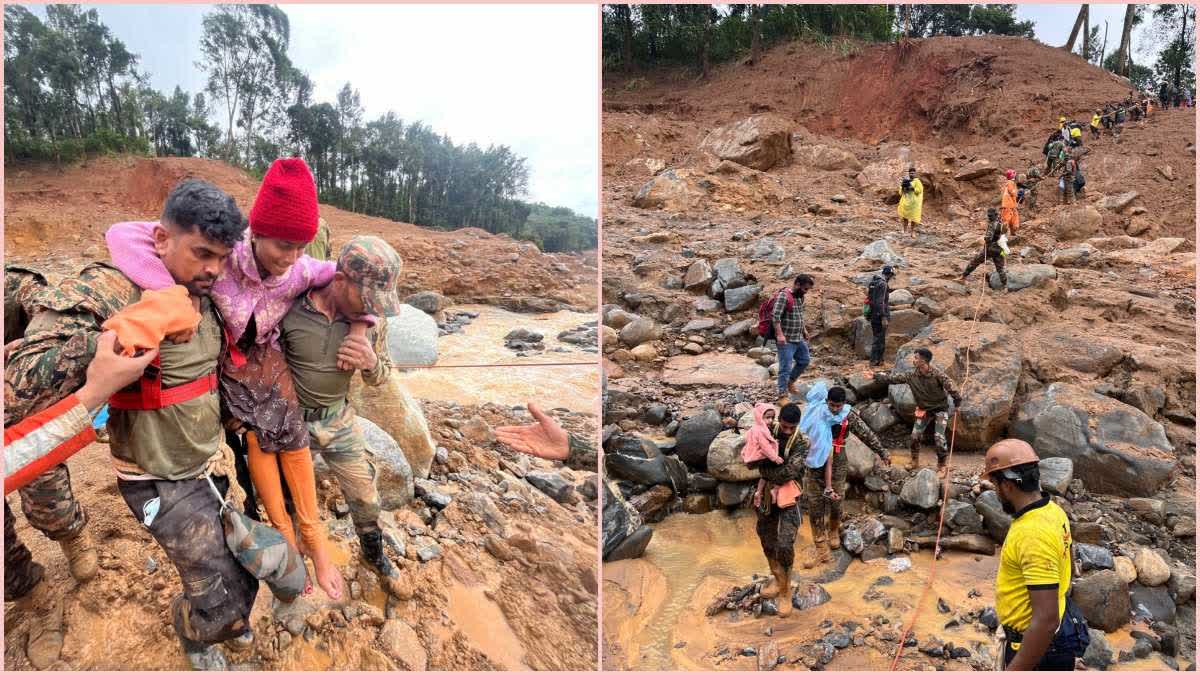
<point>329,577</point>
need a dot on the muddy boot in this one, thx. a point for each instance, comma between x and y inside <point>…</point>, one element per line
<point>390,578</point>
<point>203,656</point>
<point>46,627</point>
<point>243,643</point>
<point>914,447</point>
<point>771,589</point>
<point>81,555</point>
<point>820,543</point>
<point>784,604</point>
<point>835,536</point>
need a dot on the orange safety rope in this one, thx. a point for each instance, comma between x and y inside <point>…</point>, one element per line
<point>937,546</point>
<point>497,365</point>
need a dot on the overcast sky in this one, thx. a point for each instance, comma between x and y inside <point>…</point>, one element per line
<point>519,75</point>
<point>1052,25</point>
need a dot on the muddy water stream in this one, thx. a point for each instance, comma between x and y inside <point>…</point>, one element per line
<point>482,341</point>
<point>654,607</point>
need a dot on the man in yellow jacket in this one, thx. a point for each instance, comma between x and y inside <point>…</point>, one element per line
<point>1095,126</point>
<point>912,194</point>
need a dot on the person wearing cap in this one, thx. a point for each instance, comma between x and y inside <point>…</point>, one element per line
<point>315,336</point>
<point>930,387</point>
<point>912,195</point>
<point>257,283</point>
<point>1008,203</point>
<point>1035,563</point>
<point>879,312</point>
<point>991,250</point>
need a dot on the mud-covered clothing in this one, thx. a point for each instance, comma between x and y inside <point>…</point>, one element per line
<point>777,534</point>
<point>334,434</point>
<point>218,593</point>
<point>940,421</point>
<point>856,426</point>
<point>777,527</point>
<point>929,391</point>
<point>310,340</point>
<point>819,506</point>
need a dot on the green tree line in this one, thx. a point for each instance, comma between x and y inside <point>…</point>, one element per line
<point>72,88</point>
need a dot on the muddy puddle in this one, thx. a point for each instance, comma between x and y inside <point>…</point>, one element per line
<point>654,607</point>
<point>482,342</point>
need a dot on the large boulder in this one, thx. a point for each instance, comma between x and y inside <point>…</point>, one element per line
<point>995,370</point>
<point>879,416</point>
<point>624,535</point>
<point>1104,600</point>
<point>694,436</point>
<point>1152,569</point>
<point>827,158</point>
<point>725,458</point>
<point>412,337</point>
<point>639,331</point>
<point>1081,222</point>
<point>904,325</point>
<point>394,476</point>
<point>1056,474</point>
<point>396,412</point>
<point>430,302</point>
<point>699,275</point>
<point>975,170</point>
<point>1154,603</point>
<point>1119,202</point>
<point>880,251</point>
<point>639,460</point>
<point>995,520</point>
<point>1116,448</point>
<point>859,458</point>
<point>1057,350</point>
<point>671,190</point>
<point>1021,277</point>
<point>921,490</point>
<point>760,141</point>
<point>743,297</point>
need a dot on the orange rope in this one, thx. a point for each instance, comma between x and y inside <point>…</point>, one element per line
<point>937,546</point>
<point>498,365</point>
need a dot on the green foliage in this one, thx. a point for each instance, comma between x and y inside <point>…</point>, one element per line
<point>72,89</point>
<point>959,20</point>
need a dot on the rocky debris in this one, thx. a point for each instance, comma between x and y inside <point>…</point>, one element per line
<point>971,543</point>
<point>765,249</point>
<point>852,540</point>
<point>828,158</point>
<point>975,170</point>
<point>1021,277</point>
<point>904,325</point>
<point>921,490</point>
<point>1098,655</point>
<point>760,142</point>
<point>808,595</point>
<point>523,339</point>
<point>1092,557</point>
<point>552,484</point>
<point>1151,567</point>
<point>671,190</point>
<point>1082,255</point>
<point>653,504</point>
<point>412,337</point>
<point>1153,603</point>
<point>1116,448</point>
<point>1056,474</point>
<point>879,416</point>
<point>1081,222</point>
<point>995,520</point>
<point>731,495</point>
<point>900,297</point>
<point>880,251</point>
<point>699,276</point>
<point>713,370</point>
<point>859,458</point>
<point>1104,600</point>
<point>695,435</point>
<point>638,460</point>
<point>743,297</point>
<point>725,458</point>
<point>401,643</point>
<point>1118,203</point>
<point>583,335</point>
<point>394,476</point>
<point>1125,569</point>
<point>639,331</point>
<point>430,302</point>
<point>963,518</point>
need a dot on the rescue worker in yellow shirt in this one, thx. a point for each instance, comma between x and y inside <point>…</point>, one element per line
<point>1095,125</point>
<point>1043,629</point>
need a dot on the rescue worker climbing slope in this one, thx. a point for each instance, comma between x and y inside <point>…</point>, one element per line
<point>912,196</point>
<point>930,388</point>
<point>1008,204</point>
<point>992,250</point>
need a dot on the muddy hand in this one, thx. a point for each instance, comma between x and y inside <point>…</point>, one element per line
<point>545,439</point>
<point>356,353</point>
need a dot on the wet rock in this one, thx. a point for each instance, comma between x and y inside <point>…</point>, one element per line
<point>401,644</point>
<point>808,595</point>
<point>865,386</point>
<point>859,458</point>
<point>1093,557</point>
<point>760,141</point>
<point>713,370</point>
<point>904,325</point>
<point>1056,474</point>
<point>963,518</point>
<point>699,275</point>
<point>1155,603</point>
<point>1152,511</point>
<point>396,412</point>
<point>1098,655</point>
<point>989,619</point>
<point>701,482</point>
<point>1116,448</point>
<point>655,414</point>
<point>694,436</point>
<point>725,458</point>
<point>1182,584</point>
<point>394,476</point>
<point>852,540</point>
<point>895,542</point>
<point>1152,569</point>
<point>879,416</point>
<point>731,495</point>
<point>995,520</point>
<point>872,531</point>
<point>638,460</point>
<point>737,299</point>
<point>697,503</point>
<point>1104,600</point>
<point>430,302</point>
<point>639,331</point>
<point>880,251</point>
<point>412,337</point>
<point>653,504</point>
<point>839,640</point>
<point>552,484</point>
<point>921,491</point>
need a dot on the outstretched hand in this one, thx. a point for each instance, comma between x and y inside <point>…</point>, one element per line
<point>545,438</point>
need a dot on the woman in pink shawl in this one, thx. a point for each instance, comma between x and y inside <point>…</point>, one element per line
<point>776,498</point>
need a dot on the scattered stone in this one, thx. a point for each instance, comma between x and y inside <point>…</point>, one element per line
<point>1098,655</point>
<point>1104,600</point>
<point>760,142</point>
<point>552,484</point>
<point>430,302</point>
<point>921,490</point>
<point>639,331</point>
<point>1153,603</point>
<point>900,297</point>
<point>1152,569</point>
<point>401,644</point>
<point>1093,557</point>
<point>694,436</point>
<point>1125,569</point>
<point>1056,474</point>
<point>880,251</point>
<point>737,299</point>
<point>809,595</point>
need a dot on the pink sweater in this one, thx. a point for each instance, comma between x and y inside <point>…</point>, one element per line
<point>239,292</point>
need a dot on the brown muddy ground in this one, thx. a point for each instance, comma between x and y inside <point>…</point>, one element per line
<point>942,103</point>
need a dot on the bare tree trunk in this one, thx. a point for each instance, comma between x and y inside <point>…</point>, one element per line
<point>755,33</point>
<point>625,21</point>
<point>1182,42</point>
<point>1123,50</point>
<point>1086,34</point>
<point>704,41</point>
<point>1075,29</point>
<point>1104,45</point>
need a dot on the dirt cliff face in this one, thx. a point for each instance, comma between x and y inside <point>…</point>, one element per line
<point>1106,285</point>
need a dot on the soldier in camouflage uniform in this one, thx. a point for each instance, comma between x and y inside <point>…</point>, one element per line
<point>319,247</point>
<point>930,387</point>
<point>825,510</point>
<point>200,225</point>
<point>47,501</point>
<point>314,334</point>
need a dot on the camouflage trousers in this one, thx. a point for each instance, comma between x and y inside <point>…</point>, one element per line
<point>334,434</point>
<point>777,533</point>
<point>819,506</point>
<point>218,593</point>
<point>50,507</point>
<point>940,420</point>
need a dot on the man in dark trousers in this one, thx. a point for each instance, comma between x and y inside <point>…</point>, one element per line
<point>930,387</point>
<point>991,250</point>
<point>880,311</point>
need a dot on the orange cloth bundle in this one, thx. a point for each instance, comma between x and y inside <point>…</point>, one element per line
<point>145,323</point>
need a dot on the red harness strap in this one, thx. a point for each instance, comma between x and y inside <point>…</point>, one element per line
<point>840,441</point>
<point>151,396</point>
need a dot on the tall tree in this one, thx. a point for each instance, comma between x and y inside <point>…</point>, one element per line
<point>1080,20</point>
<point>756,12</point>
<point>1123,55</point>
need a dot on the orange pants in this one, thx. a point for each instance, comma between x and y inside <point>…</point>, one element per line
<point>297,467</point>
<point>1011,220</point>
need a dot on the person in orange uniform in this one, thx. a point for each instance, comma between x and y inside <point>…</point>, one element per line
<point>1008,204</point>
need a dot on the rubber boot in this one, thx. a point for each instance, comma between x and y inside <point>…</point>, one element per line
<point>394,583</point>
<point>46,628</point>
<point>817,527</point>
<point>772,587</point>
<point>834,529</point>
<point>81,555</point>
<point>202,656</point>
<point>914,447</point>
<point>783,578</point>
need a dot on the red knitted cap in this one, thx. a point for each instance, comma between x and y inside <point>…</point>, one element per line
<point>286,205</point>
